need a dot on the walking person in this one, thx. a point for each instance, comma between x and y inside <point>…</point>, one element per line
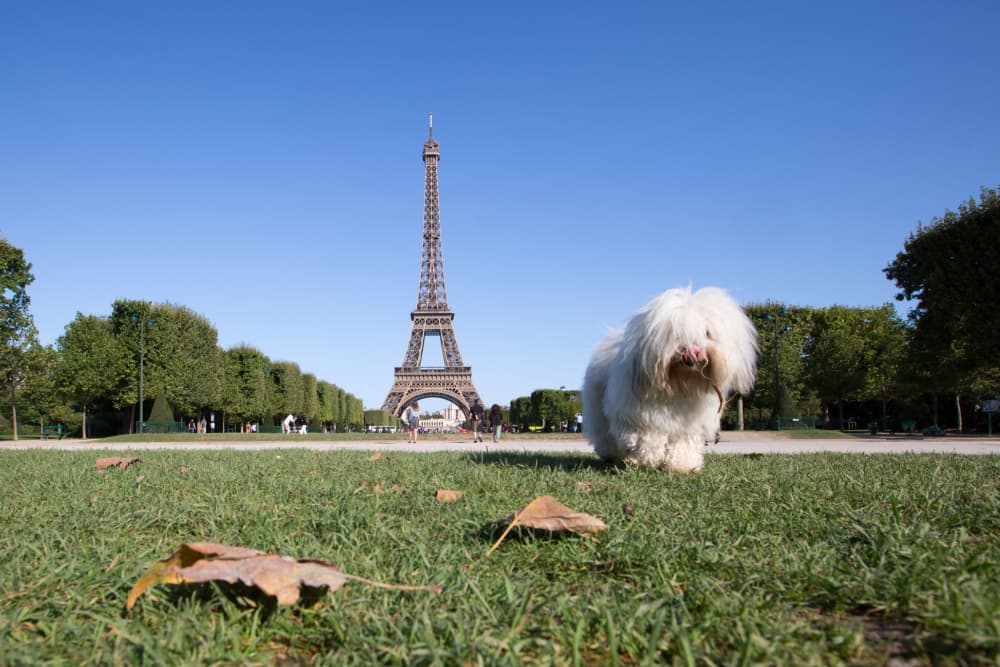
<point>477,421</point>
<point>412,419</point>
<point>496,422</point>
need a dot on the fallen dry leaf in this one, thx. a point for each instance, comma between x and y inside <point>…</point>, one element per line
<point>447,495</point>
<point>280,577</point>
<point>114,561</point>
<point>548,514</point>
<point>121,462</point>
<point>377,488</point>
<point>375,457</point>
<point>365,484</point>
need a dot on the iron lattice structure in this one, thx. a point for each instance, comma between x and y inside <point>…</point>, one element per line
<point>432,317</point>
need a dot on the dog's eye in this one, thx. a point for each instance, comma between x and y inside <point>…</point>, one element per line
<point>708,334</point>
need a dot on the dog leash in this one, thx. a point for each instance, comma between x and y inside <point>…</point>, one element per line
<point>722,401</point>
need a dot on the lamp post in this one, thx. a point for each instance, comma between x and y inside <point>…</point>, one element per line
<point>143,322</point>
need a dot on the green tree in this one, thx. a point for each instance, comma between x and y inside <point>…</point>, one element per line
<point>310,399</point>
<point>190,355</point>
<point>356,411</point>
<point>161,416</point>
<point>951,270</point>
<point>783,335</point>
<point>176,351</point>
<point>836,356</point>
<point>550,406</point>
<point>380,418</point>
<point>520,412</point>
<point>290,399</point>
<point>327,396</point>
<point>343,418</point>
<point>885,352</point>
<point>92,364</point>
<point>17,327</point>
<point>245,387</point>
<point>39,396</point>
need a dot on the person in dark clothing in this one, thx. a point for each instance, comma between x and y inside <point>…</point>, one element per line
<point>477,421</point>
<point>496,422</point>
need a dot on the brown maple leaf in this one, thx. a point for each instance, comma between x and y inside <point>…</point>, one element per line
<point>280,577</point>
<point>545,513</point>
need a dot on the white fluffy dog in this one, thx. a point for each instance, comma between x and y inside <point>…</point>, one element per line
<point>654,391</point>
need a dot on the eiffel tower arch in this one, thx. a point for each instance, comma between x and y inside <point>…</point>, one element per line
<point>431,317</point>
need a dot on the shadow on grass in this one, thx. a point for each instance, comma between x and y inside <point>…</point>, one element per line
<point>568,461</point>
<point>225,597</point>
<point>215,595</point>
<point>491,531</point>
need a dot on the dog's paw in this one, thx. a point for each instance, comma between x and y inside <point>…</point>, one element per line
<point>684,469</point>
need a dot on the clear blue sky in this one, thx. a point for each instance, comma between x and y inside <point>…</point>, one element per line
<point>259,163</point>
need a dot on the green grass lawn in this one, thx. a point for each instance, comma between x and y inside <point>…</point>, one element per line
<point>806,559</point>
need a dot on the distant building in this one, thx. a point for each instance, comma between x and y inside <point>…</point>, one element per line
<point>451,418</point>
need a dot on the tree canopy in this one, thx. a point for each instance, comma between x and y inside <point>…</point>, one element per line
<point>950,270</point>
<point>17,327</point>
<point>92,364</point>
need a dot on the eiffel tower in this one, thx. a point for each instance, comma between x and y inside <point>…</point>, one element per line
<point>432,317</point>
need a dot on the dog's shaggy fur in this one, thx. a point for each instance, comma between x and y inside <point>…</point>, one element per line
<point>654,391</point>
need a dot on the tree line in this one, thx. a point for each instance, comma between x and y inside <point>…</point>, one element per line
<point>841,365</point>
<point>836,364</point>
<point>93,376</point>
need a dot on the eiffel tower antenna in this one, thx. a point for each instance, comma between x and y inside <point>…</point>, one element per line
<point>431,317</point>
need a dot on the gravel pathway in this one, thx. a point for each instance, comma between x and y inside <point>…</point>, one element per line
<point>732,443</point>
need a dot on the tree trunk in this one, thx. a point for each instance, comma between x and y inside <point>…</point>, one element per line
<point>739,413</point>
<point>840,414</point>
<point>958,411</point>
<point>83,424</point>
